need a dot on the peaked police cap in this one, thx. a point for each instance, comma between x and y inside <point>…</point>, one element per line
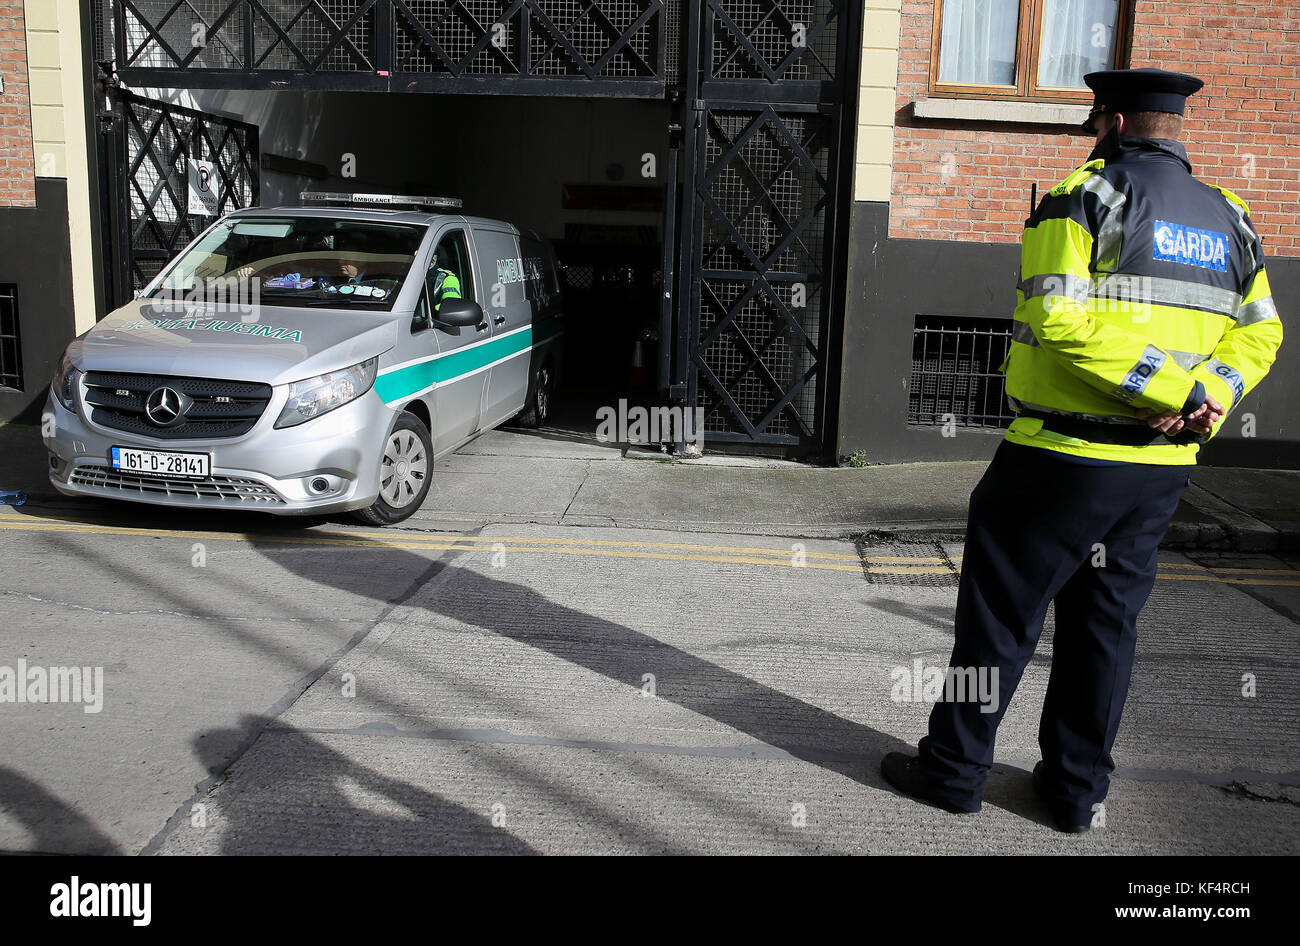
<point>1138,90</point>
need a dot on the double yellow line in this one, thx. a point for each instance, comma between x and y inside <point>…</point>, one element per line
<point>793,556</point>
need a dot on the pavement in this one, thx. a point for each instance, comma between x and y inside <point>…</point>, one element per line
<point>570,479</point>
<point>570,650</point>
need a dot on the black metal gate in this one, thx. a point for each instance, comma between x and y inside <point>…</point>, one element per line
<point>148,145</point>
<point>761,260</point>
<point>513,47</point>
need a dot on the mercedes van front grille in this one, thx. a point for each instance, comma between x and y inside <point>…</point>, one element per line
<point>231,489</point>
<point>194,408</point>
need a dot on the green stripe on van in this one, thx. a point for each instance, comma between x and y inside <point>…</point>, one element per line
<point>404,382</point>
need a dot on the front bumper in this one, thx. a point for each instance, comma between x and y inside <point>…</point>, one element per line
<point>268,470</point>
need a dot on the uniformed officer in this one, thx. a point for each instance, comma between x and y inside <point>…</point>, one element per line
<point>1143,317</point>
<point>446,284</point>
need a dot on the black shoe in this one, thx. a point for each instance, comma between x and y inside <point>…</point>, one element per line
<point>1040,786</point>
<point>904,773</point>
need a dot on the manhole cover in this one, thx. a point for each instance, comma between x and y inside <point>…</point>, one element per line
<point>903,561</point>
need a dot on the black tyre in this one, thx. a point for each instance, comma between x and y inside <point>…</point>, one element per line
<point>405,474</point>
<point>538,410</point>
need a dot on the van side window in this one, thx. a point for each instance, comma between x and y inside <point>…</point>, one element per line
<point>420,322</point>
<point>450,270</point>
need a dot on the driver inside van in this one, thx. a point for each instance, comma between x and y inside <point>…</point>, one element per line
<point>446,284</point>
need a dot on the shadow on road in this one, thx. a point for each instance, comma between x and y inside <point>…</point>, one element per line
<point>54,825</point>
<point>521,614</point>
<point>514,612</point>
<point>305,798</point>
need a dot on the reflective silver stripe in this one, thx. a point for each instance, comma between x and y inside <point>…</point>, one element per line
<point>1056,284</point>
<point>1246,231</point>
<point>1231,375</point>
<point>1110,238</point>
<point>1022,333</point>
<point>1260,310</point>
<point>1124,290</point>
<point>1018,405</point>
<point>1140,375</point>
<point>1187,360</point>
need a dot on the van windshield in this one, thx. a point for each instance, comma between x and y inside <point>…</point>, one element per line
<point>297,261</point>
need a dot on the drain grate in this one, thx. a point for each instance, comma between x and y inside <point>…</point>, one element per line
<point>893,560</point>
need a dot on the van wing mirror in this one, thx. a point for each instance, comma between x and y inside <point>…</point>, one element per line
<point>458,312</point>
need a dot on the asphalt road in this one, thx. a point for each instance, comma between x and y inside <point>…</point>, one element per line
<point>281,687</point>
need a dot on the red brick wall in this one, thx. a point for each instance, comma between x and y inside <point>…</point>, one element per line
<point>17,170</point>
<point>971,181</point>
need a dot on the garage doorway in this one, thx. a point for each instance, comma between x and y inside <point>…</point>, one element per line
<point>750,106</point>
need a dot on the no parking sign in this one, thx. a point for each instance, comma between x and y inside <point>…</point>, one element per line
<point>203,188</point>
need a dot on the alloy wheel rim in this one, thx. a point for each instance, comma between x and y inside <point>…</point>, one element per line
<point>543,394</point>
<point>403,470</point>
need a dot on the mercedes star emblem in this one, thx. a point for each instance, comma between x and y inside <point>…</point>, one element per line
<point>164,407</point>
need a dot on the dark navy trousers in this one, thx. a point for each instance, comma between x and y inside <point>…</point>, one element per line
<point>1034,527</point>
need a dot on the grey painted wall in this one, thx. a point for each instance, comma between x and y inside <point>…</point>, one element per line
<point>35,255</point>
<point>890,282</point>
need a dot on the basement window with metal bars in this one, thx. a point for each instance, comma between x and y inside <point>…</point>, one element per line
<point>11,349</point>
<point>955,376</point>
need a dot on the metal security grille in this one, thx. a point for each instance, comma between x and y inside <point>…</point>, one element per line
<point>545,47</point>
<point>763,271</point>
<point>956,376</point>
<point>11,349</point>
<point>151,143</point>
<point>763,157</point>
<point>792,40</point>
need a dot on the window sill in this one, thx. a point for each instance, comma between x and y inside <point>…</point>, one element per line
<point>991,110</point>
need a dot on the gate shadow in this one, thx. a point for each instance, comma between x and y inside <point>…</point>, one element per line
<point>311,812</point>
<point>55,826</point>
<point>519,613</point>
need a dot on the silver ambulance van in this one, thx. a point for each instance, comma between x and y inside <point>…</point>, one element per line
<point>311,359</point>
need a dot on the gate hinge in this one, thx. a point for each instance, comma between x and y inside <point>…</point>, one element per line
<point>698,105</point>
<point>677,392</point>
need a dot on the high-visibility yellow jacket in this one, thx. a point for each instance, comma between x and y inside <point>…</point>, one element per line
<point>446,286</point>
<point>1140,287</point>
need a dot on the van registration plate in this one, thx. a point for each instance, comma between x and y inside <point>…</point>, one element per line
<point>159,462</point>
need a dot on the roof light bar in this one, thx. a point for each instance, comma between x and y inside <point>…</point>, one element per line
<point>388,200</point>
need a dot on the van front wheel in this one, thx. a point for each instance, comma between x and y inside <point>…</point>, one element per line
<point>405,473</point>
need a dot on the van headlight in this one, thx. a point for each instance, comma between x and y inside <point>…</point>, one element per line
<point>323,393</point>
<point>64,384</point>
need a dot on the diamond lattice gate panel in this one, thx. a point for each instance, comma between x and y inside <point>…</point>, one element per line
<point>761,248</point>
<point>516,47</point>
<point>150,144</point>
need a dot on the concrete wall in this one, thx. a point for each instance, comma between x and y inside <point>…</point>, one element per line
<point>36,257</point>
<point>46,246</point>
<point>57,66</point>
<point>877,90</point>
